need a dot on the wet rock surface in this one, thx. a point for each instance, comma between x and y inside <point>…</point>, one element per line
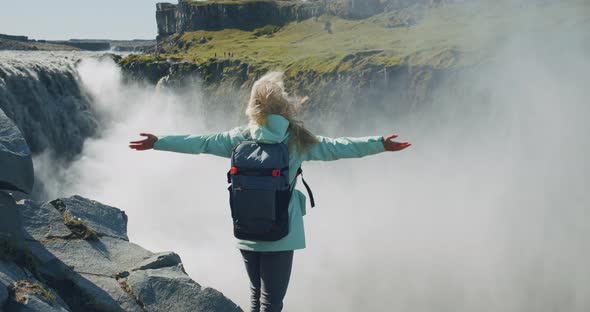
<point>15,157</point>
<point>102,273</point>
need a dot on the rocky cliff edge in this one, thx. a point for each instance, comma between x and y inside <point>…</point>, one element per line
<point>73,254</point>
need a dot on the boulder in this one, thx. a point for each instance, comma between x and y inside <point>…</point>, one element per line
<point>3,294</point>
<point>104,220</point>
<point>107,256</point>
<point>34,302</point>
<point>170,289</point>
<point>42,221</point>
<point>10,221</point>
<point>104,294</point>
<point>106,272</point>
<point>21,292</point>
<point>159,260</point>
<point>15,158</point>
<point>9,273</point>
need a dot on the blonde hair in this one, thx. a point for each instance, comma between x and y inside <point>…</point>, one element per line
<point>269,97</point>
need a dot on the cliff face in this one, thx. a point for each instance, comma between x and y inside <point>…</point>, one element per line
<point>166,19</point>
<point>332,60</point>
<point>73,254</point>
<point>228,83</point>
<point>251,14</point>
<point>246,15</point>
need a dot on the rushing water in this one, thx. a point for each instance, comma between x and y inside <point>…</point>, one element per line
<point>43,94</point>
<point>488,211</point>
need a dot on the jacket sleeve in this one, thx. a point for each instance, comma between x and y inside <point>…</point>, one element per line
<point>219,144</point>
<point>333,149</point>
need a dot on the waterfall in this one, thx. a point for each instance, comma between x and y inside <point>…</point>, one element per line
<point>42,93</point>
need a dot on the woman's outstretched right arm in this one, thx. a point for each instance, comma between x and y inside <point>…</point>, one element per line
<point>219,144</point>
<point>332,149</point>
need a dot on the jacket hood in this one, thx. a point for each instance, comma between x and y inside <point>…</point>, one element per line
<point>275,130</point>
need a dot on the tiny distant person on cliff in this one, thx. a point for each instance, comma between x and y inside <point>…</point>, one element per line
<point>271,112</point>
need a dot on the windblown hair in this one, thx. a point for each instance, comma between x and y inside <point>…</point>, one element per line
<point>269,97</point>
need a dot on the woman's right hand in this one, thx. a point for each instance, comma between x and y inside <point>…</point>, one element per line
<point>393,146</point>
<point>145,144</point>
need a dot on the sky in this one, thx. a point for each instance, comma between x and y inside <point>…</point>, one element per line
<point>75,19</point>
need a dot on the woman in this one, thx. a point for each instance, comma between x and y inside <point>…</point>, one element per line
<point>271,113</point>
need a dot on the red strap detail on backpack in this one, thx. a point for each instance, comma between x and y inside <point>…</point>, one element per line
<point>233,170</point>
<point>276,172</point>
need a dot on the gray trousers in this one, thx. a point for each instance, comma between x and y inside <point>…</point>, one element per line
<point>269,274</point>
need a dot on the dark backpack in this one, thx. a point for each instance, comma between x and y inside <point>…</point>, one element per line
<point>260,190</point>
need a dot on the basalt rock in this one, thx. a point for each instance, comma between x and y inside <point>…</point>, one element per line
<point>106,272</point>
<point>246,15</point>
<point>15,157</point>
<point>19,291</point>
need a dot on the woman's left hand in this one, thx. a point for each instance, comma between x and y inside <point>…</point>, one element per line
<point>393,146</point>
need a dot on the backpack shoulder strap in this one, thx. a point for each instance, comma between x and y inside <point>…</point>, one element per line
<point>246,134</point>
<point>311,199</point>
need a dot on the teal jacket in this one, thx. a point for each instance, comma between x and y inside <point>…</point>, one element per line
<point>220,144</point>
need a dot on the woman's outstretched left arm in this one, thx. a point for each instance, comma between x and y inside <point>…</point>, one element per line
<point>219,144</point>
<point>348,147</point>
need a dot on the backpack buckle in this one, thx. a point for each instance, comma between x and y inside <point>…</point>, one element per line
<point>276,172</point>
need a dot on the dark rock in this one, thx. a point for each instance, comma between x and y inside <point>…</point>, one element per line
<point>104,220</point>
<point>29,295</point>
<point>166,18</point>
<point>189,16</point>
<point>14,45</point>
<point>15,157</point>
<point>107,256</point>
<point>42,221</point>
<point>36,303</point>
<point>9,274</point>
<point>15,38</point>
<point>151,71</point>
<point>159,260</point>
<point>86,45</point>
<point>170,289</point>
<point>114,57</point>
<point>3,294</point>
<point>21,292</point>
<point>10,221</point>
<point>109,273</point>
<point>106,293</point>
